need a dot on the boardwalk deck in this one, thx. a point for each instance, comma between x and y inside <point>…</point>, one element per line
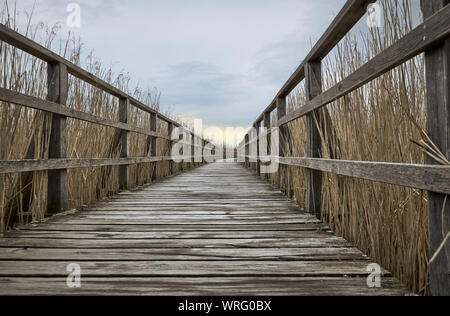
<point>215,230</point>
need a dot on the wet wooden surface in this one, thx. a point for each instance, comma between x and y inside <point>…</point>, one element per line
<point>215,230</point>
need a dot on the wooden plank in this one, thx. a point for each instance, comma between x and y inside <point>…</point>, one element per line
<point>176,227</point>
<point>183,254</point>
<point>168,235</point>
<point>55,108</point>
<point>218,286</point>
<point>190,221</point>
<point>426,35</point>
<point>313,87</point>
<point>329,242</point>
<point>424,177</point>
<point>437,62</point>
<point>190,268</point>
<point>57,91</point>
<point>13,166</point>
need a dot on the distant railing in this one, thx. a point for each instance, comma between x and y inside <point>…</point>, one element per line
<point>431,37</point>
<point>58,163</point>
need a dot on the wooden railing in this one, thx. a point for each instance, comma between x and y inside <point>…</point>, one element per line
<point>58,70</point>
<point>431,37</point>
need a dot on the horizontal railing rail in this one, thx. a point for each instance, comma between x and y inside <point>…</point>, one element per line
<point>430,37</point>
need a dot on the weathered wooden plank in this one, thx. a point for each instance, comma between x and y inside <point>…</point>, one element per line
<point>424,177</point>
<point>57,91</point>
<point>190,268</point>
<point>223,286</point>
<point>191,221</point>
<point>183,254</point>
<point>175,243</point>
<point>13,166</point>
<point>176,227</point>
<point>437,61</point>
<point>169,235</point>
<point>426,35</point>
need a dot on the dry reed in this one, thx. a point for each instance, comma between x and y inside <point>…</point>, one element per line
<point>25,132</point>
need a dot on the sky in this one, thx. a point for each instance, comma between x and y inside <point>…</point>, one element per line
<point>219,60</point>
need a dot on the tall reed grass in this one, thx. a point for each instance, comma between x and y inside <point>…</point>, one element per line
<point>25,132</point>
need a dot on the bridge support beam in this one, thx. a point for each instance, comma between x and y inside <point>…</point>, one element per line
<point>57,80</point>
<point>313,86</point>
<point>437,62</point>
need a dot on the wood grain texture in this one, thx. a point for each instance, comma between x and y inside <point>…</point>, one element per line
<point>124,143</point>
<point>437,64</point>
<point>208,286</point>
<point>425,177</point>
<point>57,91</point>
<point>217,222</point>
<point>313,87</point>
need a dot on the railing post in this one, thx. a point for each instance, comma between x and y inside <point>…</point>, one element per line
<point>192,150</point>
<point>267,125</point>
<point>313,86</point>
<point>154,142</point>
<point>258,167</point>
<point>437,61</point>
<point>58,86</point>
<point>124,117</point>
<point>283,130</point>
<point>170,131</point>
<point>247,150</point>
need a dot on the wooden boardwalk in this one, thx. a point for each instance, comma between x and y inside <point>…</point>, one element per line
<point>215,230</point>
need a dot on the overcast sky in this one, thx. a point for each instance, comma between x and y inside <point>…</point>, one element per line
<point>219,60</point>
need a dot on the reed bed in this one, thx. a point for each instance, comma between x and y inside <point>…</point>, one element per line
<point>25,132</point>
